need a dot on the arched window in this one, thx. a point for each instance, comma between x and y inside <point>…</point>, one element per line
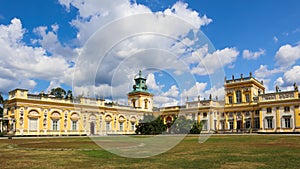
<point>238,96</point>
<point>146,103</point>
<point>33,117</point>
<point>133,103</point>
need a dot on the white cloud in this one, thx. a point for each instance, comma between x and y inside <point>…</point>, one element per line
<point>275,39</point>
<point>49,41</point>
<point>287,55</point>
<point>163,101</point>
<point>197,55</point>
<point>194,91</point>
<point>263,72</point>
<point>181,10</point>
<point>151,82</point>
<point>132,38</point>
<point>172,92</point>
<point>253,55</point>
<point>199,89</point>
<point>279,81</point>
<point>21,64</point>
<point>283,84</point>
<point>53,84</point>
<point>292,75</point>
<point>217,60</point>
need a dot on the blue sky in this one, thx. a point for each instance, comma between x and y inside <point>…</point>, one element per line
<point>41,43</point>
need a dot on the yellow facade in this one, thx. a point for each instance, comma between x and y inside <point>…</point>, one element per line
<point>245,108</point>
<point>36,115</point>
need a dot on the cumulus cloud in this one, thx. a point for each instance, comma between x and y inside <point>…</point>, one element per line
<point>214,61</point>
<point>279,81</point>
<point>292,75</point>
<point>97,14</point>
<point>263,72</point>
<point>172,92</point>
<point>49,41</point>
<point>194,91</point>
<point>151,82</point>
<point>253,55</point>
<point>22,64</point>
<point>200,89</point>
<point>168,98</point>
<point>285,59</point>
<point>131,37</point>
<point>287,55</point>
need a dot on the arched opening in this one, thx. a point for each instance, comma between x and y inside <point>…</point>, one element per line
<point>133,103</point>
<point>33,122</point>
<point>146,103</point>
<point>92,128</point>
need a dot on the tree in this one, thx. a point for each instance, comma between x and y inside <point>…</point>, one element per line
<point>69,95</point>
<point>196,128</point>
<point>151,125</point>
<point>181,125</point>
<point>58,92</point>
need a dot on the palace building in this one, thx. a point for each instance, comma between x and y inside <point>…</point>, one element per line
<point>245,108</point>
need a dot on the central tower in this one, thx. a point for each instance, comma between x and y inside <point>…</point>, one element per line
<point>140,97</point>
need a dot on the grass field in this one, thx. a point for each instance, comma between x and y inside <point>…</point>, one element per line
<point>219,151</point>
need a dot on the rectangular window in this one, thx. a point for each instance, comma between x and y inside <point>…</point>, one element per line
<point>222,125</point>
<point>230,99</point>
<point>286,109</point>
<point>257,112</point>
<point>238,96</point>
<point>256,123</point>
<point>269,110</point>
<point>269,123</point>
<point>247,97</point>
<point>204,115</point>
<point>287,122</point>
<point>231,125</point>
<point>121,126</point>
<point>248,124</point>
<point>107,126</point>
<point>55,125</point>
<point>204,123</point>
<point>223,114</point>
<point>146,104</point>
<point>132,126</point>
<point>194,116</point>
<point>74,125</point>
<point>215,124</point>
<point>33,124</point>
<point>247,113</point>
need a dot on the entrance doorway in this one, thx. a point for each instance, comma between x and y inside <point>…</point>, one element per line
<point>92,128</point>
<point>239,125</point>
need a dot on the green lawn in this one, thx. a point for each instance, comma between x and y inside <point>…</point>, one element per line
<point>219,151</point>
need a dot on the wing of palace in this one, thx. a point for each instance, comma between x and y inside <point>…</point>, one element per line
<point>245,108</point>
